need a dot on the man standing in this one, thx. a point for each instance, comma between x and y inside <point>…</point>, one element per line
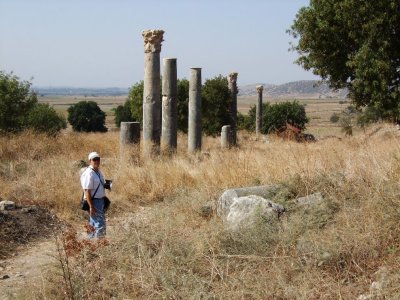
<point>92,181</point>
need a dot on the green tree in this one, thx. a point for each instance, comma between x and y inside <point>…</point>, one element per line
<point>16,100</point>
<point>353,44</point>
<point>215,105</point>
<point>275,117</point>
<point>123,114</point>
<point>183,105</point>
<point>135,98</point>
<point>43,118</point>
<point>87,116</point>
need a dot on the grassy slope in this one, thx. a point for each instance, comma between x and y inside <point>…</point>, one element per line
<point>172,252</point>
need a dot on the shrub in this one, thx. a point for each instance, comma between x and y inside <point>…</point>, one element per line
<point>135,99</point>
<point>275,117</point>
<point>87,116</point>
<point>16,100</point>
<point>44,118</point>
<point>123,114</point>
<point>334,118</point>
<point>215,105</point>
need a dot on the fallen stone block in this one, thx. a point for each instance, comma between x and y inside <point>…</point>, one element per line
<point>244,211</point>
<point>7,205</point>
<point>312,199</point>
<point>227,197</point>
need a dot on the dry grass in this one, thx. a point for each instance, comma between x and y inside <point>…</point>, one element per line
<point>170,251</point>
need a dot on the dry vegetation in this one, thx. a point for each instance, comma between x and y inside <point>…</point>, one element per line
<point>168,250</point>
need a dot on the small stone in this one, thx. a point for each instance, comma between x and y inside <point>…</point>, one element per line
<point>29,209</point>
<point>18,275</point>
<point>207,210</point>
<point>312,199</point>
<point>4,277</point>
<point>7,205</point>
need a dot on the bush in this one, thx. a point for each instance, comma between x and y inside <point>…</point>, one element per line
<point>44,118</point>
<point>245,122</point>
<point>183,105</point>
<point>123,114</point>
<point>334,118</point>
<point>135,99</point>
<point>87,116</point>
<point>215,105</point>
<point>16,100</point>
<point>276,116</point>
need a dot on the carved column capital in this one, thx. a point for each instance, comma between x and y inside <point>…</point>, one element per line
<point>152,40</point>
<point>259,89</point>
<point>232,78</point>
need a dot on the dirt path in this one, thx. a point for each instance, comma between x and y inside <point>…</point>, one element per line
<point>31,263</point>
<point>28,267</point>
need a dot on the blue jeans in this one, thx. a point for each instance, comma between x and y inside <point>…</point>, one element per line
<point>98,221</point>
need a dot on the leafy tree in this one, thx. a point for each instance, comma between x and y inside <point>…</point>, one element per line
<point>87,116</point>
<point>183,105</point>
<point>275,117</point>
<point>43,118</point>
<point>215,105</point>
<point>334,118</point>
<point>247,122</point>
<point>16,100</point>
<point>356,45</point>
<point>135,98</point>
<point>123,113</point>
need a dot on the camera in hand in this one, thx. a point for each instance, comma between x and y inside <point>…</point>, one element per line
<point>108,184</point>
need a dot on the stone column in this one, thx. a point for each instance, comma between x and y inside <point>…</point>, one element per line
<point>151,91</point>
<point>232,79</point>
<point>195,126</point>
<point>226,136</point>
<point>129,133</point>
<point>259,108</point>
<point>169,105</point>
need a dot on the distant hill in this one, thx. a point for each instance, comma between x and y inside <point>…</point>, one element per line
<point>296,89</point>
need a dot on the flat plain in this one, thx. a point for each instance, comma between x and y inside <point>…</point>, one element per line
<point>318,110</point>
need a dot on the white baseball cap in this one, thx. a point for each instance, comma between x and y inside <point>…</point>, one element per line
<point>93,155</point>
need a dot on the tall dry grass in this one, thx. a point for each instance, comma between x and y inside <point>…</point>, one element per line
<point>171,251</point>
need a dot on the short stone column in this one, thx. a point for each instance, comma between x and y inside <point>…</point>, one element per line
<point>232,83</point>
<point>260,89</point>
<point>169,105</point>
<point>129,133</point>
<point>151,91</point>
<point>226,136</point>
<point>195,126</point>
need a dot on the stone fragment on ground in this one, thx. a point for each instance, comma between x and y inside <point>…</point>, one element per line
<point>7,205</point>
<point>312,199</point>
<point>244,211</point>
<point>227,197</point>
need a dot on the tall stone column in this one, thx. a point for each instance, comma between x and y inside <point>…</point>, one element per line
<point>151,91</point>
<point>260,89</point>
<point>226,136</point>
<point>195,126</point>
<point>169,105</point>
<point>232,82</point>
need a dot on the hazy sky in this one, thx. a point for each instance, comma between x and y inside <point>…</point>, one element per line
<point>98,43</point>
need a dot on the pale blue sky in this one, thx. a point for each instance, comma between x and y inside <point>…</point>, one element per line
<point>98,43</point>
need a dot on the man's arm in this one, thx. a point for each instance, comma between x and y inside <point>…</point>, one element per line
<point>90,202</point>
